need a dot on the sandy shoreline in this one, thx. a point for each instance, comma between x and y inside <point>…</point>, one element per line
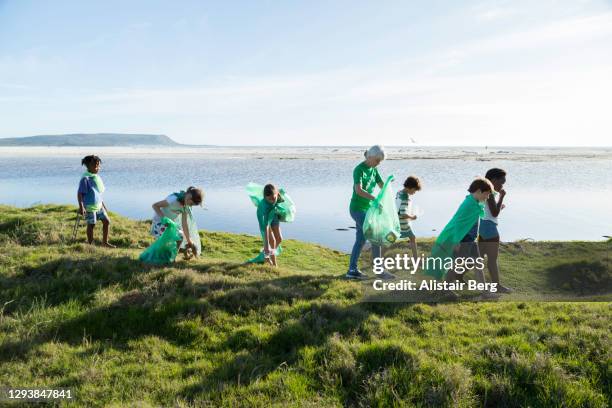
<point>322,153</point>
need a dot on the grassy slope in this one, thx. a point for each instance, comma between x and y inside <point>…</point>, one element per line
<point>217,331</point>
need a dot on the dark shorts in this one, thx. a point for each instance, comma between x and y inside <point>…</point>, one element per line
<point>275,221</point>
<point>467,249</point>
<point>407,233</point>
<point>92,217</point>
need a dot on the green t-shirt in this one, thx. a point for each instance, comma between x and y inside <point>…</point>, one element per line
<point>367,178</point>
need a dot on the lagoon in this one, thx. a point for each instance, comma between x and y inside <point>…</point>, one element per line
<point>553,194</point>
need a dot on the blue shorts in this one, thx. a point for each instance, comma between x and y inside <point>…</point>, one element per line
<point>275,221</point>
<point>91,217</point>
<point>488,229</point>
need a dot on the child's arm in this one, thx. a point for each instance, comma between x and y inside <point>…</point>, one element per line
<point>81,205</point>
<point>186,228</point>
<point>267,248</point>
<point>158,206</point>
<point>496,207</point>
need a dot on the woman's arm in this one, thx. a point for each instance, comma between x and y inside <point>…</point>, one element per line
<point>158,206</point>
<point>362,193</point>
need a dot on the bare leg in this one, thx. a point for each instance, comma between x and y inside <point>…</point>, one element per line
<point>105,229</point>
<point>490,248</point>
<point>413,246</point>
<point>278,238</point>
<point>90,229</point>
<point>272,246</point>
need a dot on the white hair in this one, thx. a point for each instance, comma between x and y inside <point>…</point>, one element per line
<point>376,151</point>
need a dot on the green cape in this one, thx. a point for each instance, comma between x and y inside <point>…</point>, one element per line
<point>464,219</point>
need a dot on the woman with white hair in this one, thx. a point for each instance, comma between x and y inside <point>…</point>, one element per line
<point>365,178</point>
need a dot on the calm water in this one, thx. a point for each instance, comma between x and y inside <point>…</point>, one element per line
<point>548,200</point>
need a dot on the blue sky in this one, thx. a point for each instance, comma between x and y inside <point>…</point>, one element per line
<point>310,72</point>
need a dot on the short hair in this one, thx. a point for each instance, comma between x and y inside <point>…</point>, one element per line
<point>197,195</point>
<point>375,151</point>
<point>91,159</point>
<point>482,184</point>
<point>495,173</point>
<point>269,190</point>
<point>413,182</point>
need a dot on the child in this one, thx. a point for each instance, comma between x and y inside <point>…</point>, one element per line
<point>177,207</point>
<point>89,196</point>
<point>404,205</point>
<point>269,223</point>
<point>488,240</point>
<point>458,227</point>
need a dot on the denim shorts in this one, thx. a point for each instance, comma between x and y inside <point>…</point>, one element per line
<point>91,217</point>
<point>275,221</point>
<point>488,229</point>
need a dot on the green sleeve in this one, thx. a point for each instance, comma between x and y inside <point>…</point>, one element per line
<point>377,176</point>
<point>357,175</point>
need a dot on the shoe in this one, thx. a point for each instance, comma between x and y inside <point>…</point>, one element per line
<point>386,275</point>
<point>356,274</point>
<point>504,289</point>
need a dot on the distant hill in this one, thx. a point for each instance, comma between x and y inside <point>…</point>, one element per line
<point>95,139</point>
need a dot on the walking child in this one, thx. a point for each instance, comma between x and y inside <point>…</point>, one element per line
<point>468,214</point>
<point>488,240</point>
<point>403,201</point>
<point>89,196</point>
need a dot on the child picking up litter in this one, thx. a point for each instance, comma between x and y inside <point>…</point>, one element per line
<point>89,196</point>
<point>403,202</point>
<point>273,207</point>
<point>177,208</point>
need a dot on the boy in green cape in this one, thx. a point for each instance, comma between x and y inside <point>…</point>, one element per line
<point>459,226</point>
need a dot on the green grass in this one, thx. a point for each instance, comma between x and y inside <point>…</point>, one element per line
<point>215,331</point>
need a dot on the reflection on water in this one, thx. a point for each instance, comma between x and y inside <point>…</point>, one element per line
<point>555,200</point>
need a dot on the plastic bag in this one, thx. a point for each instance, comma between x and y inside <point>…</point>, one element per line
<point>285,208</point>
<point>164,250</point>
<point>381,225</point>
<point>261,257</point>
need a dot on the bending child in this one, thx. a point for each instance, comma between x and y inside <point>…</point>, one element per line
<point>177,207</point>
<point>89,196</point>
<point>404,205</point>
<point>269,222</point>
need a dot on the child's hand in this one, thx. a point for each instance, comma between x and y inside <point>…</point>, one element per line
<point>413,217</point>
<point>502,192</point>
<point>82,211</point>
